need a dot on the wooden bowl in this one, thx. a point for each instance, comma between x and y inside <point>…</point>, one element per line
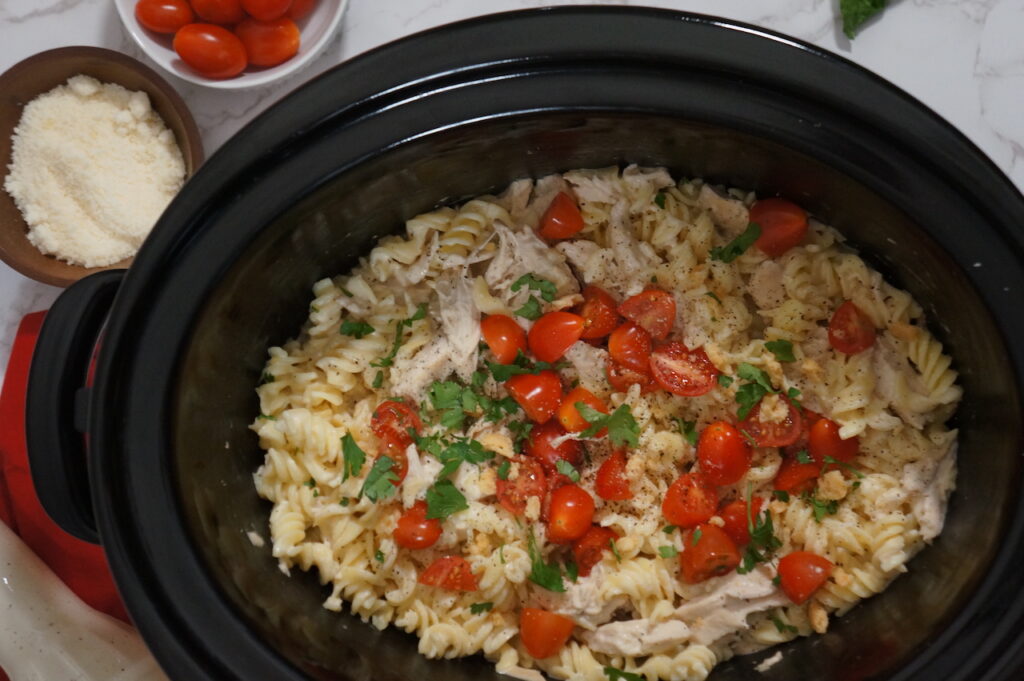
<point>41,73</point>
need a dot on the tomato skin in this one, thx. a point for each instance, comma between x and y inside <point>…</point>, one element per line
<point>552,334</point>
<point>735,516</point>
<point>266,10</point>
<point>801,573</point>
<point>612,483</point>
<point>588,550</point>
<point>415,530</point>
<point>824,441</point>
<point>783,225</point>
<point>562,219</point>
<point>543,633</point>
<point>164,16</point>
<point>622,377</point>
<point>850,330</point>
<point>570,514</point>
<point>795,477</point>
<point>712,555</point>
<point>513,495</point>
<point>773,434</point>
<point>569,416</point>
<point>503,336</point>
<point>723,453</point>
<point>599,312</point>
<point>211,51</point>
<point>689,501</point>
<point>269,43</point>
<point>630,346</point>
<point>539,447</point>
<point>539,395</point>
<point>393,418</point>
<point>450,572</point>
<point>683,371</point>
<point>654,310</point>
<point>219,11</point>
<point>301,8</point>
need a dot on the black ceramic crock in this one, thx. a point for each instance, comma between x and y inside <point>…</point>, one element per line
<point>304,190</point>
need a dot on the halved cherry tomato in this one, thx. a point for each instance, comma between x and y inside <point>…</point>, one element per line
<point>612,483</point>
<point>395,419</point>
<point>301,8</point>
<point>514,493</point>
<point>622,377</point>
<point>415,530</point>
<point>269,43</point>
<point>219,11</point>
<point>266,10</point>
<point>562,219</point>
<point>588,549</point>
<point>708,554</point>
<point>538,394</point>
<point>503,336</point>
<point>570,416</point>
<point>210,50</point>
<point>450,572</point>
<point>689,501</point>
<point>783,225</point>
<point>735,516</point>
<point>795,477</point>
<point>766,434</point>
<point>630,346</point>
<point>807,420</point>
<point>723,453</point>
<point>801,573</point>
<point>164,16</point>
<point>824,441</point>
<point>850,330</point>
<point>539,446</point>
<point>543,633</point>
<point>598,311</point>
<point>552,334</point>
<point>654,310</point>
<point>570,514</point>
<point>683,371</point>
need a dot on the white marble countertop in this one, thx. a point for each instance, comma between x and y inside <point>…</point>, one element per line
<point>963,58</point>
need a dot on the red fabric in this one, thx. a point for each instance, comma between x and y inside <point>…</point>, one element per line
<point>82,566</point>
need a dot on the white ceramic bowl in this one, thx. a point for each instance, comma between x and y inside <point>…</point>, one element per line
<point>317,28</point>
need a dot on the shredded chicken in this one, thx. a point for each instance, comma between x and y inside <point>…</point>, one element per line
<point>589,363</point>
<point>637,637</point>
<point>520,253</point>
<point>724,609</point>
<point>421,474</point>
<point>765,285</point>
<point>460,321</point>
<point>728,213</point>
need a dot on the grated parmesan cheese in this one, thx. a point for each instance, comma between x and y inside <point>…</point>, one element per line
<point>92,168</point>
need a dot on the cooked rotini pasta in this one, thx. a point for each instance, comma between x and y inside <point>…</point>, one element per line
<point>607,425</point>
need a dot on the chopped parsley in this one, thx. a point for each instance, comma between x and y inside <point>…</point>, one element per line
<point>762,538</point>
<point>697,534</point>
<point>354,457</point>
<point>572,570</point>
<point>311,483</point>
<point>546,288</point>
<point>355,329</point>
<point>803,457</point>
<point>266,377</point>
<point>520,431</point>
<point>737,246</point>
<point>344,501</point>
<point>378,380</point>
<point>669,529</point>
<point>452,456</point>
<point>452,401</point>
<point>530,309</point>
<point>831,460</point>
<point>478,608</point>
<point>659,199</point>
<point>856,12</point>
<point>688,429</point>
<point>444,499</point>
<point>567,469</point>
<point>614,674</point>
<point>545,575</point>
<point>712,296</point>
<point>379,556</point>
<point>782,626</point>
<point>782,349</point>
<point>400,326</point>
<point>615,550</point>
<point>821,507</point>
<point>503,469</point>
<point>749,394</point>
<point>793,394</point>
<point>520,365</point>
<point>267,417</point>
<point>622,427</point>
<point>668,551</point>
<point>781,495</point>
<point>345,291</point>
<point>381,481</point>
<point>724,381</point>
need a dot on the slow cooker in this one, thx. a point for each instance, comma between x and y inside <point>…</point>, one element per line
<point>163,476</point>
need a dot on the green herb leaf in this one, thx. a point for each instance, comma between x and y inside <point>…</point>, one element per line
<point>378,380</point>
<point>749,372</point>
<point>381,481</point>
<point>400,326</point>
<point>776,580</point>
<point>830,460</point>
<point>572,570</point>
<point>310,483</point>
<point>659,199</point>
<point>267,417</point>
<point>782,626</point>
<point>355,329</point>
<point>668,551</point>
<point>479,378</point>
<point>478,608</point>
<point>724,381</point>
<point>501,554</point>
<point>567,469</point>
<point>622,427</point>
<point>856,12</point>
<point>503,469</point>
<point>353,456</point>
<point>545,575</point>
<point>266,377</point>
<point>737,246</point>
<point>782,349</point>
<point>669,529</point>
<point>803,457</point>
<point>697,534</point>
<point>531,309</point>
<point>821,507</point>
<point>781,495</point>
<point>762,538</point>
<point>344,501</point>
<point>444,499</point>
<point>615,550</point>
<point>747,396</point>
<point>379,556</point>
<point>452,456</point>
<point>520,431</point>
<point>712,296</point>
<point>688,429</point>
<point>346,291</point>
<point>520,365</point>
<point>546,288</point>
<point>614,674</point>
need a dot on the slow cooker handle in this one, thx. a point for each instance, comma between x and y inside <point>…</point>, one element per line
<point>57,401</point>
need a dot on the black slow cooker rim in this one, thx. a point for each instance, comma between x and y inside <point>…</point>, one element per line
<point>274,136</point>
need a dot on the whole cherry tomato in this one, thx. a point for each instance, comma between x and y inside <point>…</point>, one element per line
<point>630,346</point>
<point>682,371</point>
<point>415,530</point>
<point>503,336</point>
<point>824,441</point>
<point>734,514</point>
<point>599,313</point>
<point>301,8</point>
<point>543,633</point>
<point>538,394</point>
<point>539,446</point>
<point>219,11</point>
<point>266,10</point>
<point>588,549</point>
<point>211,51</point>
<point>795,477</point>
<point>783,225</point>
<point>654,310</point>
<point>569,416</point>
<point>552,334</point>
<point>850,330</point>
<point>562,219</point>
<point>612,483</point>
<point>269,43</point>
<point>707,552</point>
<point>723,453</point>
<point>689,501</point>
<point>801,573</point>
<point>570,514</point>
<point>529,481</point>
<point>622,377</point>
<point>769,434</point>
<point>164,16</point>
<point>450,572</point>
